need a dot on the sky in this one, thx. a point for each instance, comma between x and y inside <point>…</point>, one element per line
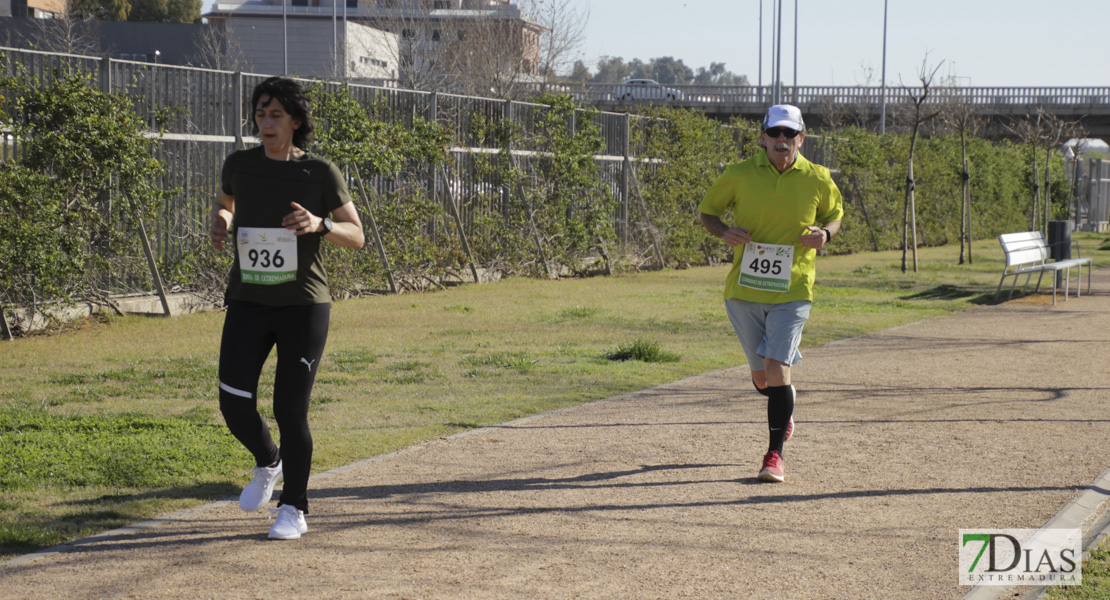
<point>1017,43</point>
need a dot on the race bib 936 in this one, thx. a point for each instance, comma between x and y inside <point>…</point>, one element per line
<point>267,255</point>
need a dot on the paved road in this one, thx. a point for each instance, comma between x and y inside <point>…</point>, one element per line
<point>996,417</point>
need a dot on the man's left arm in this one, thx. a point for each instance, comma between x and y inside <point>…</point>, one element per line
<point>818,237</point>
<point>830,207</point>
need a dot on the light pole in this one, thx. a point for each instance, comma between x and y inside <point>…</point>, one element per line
<point>285,37</point>
<point>334,38</point>
<point>761,48</point>
<point>778,57</point>
<point>882,88</point>
<point>795,51</point>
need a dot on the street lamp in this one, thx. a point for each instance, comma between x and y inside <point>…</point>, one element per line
<point>882,89</point>
<point>778,57</point>
<point>285,36</point>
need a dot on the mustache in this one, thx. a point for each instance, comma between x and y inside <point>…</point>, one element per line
<point>782,146</point>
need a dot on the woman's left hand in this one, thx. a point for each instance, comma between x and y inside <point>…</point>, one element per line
<point>301,221</point>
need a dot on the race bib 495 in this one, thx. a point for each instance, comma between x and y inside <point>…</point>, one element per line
<point>766,266</point>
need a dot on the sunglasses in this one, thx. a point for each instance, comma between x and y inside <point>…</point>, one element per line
<point>775,132</point>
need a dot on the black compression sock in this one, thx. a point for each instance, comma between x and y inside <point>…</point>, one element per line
<point>759,389</point>
<point>780,406</point>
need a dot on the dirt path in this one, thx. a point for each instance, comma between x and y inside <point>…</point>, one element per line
<point>996,417</point>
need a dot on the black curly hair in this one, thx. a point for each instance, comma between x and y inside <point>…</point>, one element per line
<point>292,98</point>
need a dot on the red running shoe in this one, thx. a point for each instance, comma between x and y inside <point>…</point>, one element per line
<point>772,467</point>
<point>789,430</point>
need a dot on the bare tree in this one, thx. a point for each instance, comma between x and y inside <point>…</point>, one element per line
<point>70,33</point>
<point>563,27</point>
<point>217,48</point>
<point>1075,131</point>
<point>919,114</point>
<point>1056,132</point>
<point>1027,131</point>
<point>491,60</point>
<point>1046,130</point>
<point>964,117</point>
<point>425,48</point>
<point>482,48</point>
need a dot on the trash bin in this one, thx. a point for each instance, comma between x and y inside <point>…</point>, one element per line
<point>1059,244</point>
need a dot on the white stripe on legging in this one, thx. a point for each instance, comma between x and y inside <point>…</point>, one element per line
<point>227,388</point>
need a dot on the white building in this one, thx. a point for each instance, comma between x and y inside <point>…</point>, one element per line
<point>315,47</point>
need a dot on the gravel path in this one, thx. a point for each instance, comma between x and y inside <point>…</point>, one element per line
<point>995,417</point>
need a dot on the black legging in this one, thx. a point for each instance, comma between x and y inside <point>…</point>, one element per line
<point>250,332</point>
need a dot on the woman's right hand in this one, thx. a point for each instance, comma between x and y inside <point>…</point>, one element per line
<point>221,223</point>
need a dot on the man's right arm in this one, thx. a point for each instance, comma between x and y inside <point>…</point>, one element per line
<point>733,236</point>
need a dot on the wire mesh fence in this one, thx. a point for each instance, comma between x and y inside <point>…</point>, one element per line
<point>196,117</point>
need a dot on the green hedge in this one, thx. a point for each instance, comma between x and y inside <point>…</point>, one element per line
<point>71,206</point>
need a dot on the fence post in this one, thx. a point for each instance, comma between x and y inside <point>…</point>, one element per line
<point>626,166</point>
<point>433,175</point>
<point>106,75</point>
<point>154,274</point>
<point>237,108</point>
<point>506,194</point>
<point>5,329</point>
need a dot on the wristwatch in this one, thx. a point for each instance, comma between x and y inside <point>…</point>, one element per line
<point>328,225</point>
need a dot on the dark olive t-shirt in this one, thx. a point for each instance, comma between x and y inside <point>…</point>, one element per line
<point>262,189</point>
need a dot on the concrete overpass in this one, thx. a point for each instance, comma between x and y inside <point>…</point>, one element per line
<point>835,105</point>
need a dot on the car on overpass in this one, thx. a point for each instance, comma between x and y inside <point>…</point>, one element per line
<point>645,89</point>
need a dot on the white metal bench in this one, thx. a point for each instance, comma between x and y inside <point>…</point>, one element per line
<point>1027,252</point>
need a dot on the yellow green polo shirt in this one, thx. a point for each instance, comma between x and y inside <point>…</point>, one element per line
<point>776,208</point>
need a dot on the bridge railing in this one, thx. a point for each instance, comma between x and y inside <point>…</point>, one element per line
<point>809,95</point>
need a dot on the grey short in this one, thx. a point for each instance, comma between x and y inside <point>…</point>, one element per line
<point>769,330</point>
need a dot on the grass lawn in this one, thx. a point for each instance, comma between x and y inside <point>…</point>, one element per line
<point>1096,579</point>
<point>117,421</point>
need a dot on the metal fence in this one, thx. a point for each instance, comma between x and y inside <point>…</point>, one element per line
<point>1094,206</point>
<point>200,113</point>
<point>690,95</point>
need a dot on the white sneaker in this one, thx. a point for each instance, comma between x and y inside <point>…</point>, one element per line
<point>290,523</point>
<point>258,491</point>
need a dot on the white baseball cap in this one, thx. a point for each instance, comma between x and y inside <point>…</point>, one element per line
<point>784,115</point>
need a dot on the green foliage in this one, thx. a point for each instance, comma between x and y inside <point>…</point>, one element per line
<point>643,351</point>
<point>418,238</point>
<point>72,206</point>
<point>541,205</point>
<point>557,200</point>
<point>347,133</point>
<point>38,448</point>
<point>104,10</point>
<point>689,151</point>
<point>871,174</point>
<point>165,11</point>
<point>570,207</point>
<point>35,253</point>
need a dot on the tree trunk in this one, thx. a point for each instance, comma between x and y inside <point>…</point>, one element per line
<point>459,226</point>
<point>967,206</point>
<point>909,219</point>
<point>1047,186</point>
<point>653,233</point>
<point>5,329</point>
<point>374,230</point>
<point>867,220</point>
<point>964,205</point>
<point>1036,192</point>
